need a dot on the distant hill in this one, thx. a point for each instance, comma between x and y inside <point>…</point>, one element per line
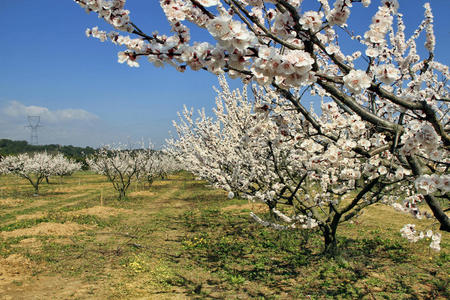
<point>9,147</point>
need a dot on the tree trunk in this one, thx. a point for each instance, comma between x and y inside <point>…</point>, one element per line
<point>35,185</point>
<point>330,247</point>
<point>150,181</point>
<point>272,205</point>
<point>121,194</point>
<point>438,213</point>
<point>36,189</point>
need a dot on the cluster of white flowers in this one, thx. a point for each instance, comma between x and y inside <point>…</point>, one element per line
<point>306,221</point>
<point>356,81</point>
<point>291,69</point>
<point>381,23</point>
<point>430,38</point>
<point>411,234</point>
<point>340,12</point>
<point>231,34</point>
<point>424,140</point>
<point>311,20</point>
<point>63,166</point>
<point>410,205</point>
<point>428,184</point>
<point>387,73</point>
<point>270,224</point>
<point>111,11</point>
<point>98,34</point>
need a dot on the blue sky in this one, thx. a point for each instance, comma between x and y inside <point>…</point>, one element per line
<point>85,97</point>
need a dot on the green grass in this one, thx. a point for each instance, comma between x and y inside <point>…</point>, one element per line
<point>180,240</point>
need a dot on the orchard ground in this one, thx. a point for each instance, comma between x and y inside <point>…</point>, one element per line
<point>180,239</point>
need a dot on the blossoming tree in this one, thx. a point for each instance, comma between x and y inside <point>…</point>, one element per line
<point>64,166</point>
<point>120,166</point>
<point>267,152</point>
<point>385,83</point>
<point>167,164</point>
<point>157,164</point>
<point>36,167</point>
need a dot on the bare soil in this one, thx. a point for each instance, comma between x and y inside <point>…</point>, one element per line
<point>101,211</point>
<point>14,268</point>
<point>10,202</point>
<point>47,228</point>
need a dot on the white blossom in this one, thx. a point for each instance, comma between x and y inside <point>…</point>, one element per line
<point>356,81</point>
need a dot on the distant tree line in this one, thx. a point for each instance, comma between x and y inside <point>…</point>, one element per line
<point>10,147</point>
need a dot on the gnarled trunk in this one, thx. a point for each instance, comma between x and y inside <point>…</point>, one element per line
<point>330,240</point>
<point>122,194</point>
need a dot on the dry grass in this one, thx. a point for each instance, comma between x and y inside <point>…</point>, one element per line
<point>46,229</point>
<point>11,202</point>
<point>13,267</point>
<point>101,211</point>
<point>36,215</point>
<point>255,207</point>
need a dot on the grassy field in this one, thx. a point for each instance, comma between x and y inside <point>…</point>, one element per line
<point>182,240</point>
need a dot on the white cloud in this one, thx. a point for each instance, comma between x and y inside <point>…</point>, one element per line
<point>17,110</point>
<point>70,126</point>
<point>65,126</point>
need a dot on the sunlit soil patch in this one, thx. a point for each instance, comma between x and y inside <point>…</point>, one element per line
<point>100,211</point>
<point>10,202</point>
<point>142,194</point>
<point>161,183</point>
<point>62,241</point>
<point>51,287</point>
<point>254,207</point>
<point>46,229</point>
<point>37,215</point>
<point>75,188</point>
<point>31,245</point>
<point>14,268</point>
<point>154,206</point>
<point>37,203</point>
